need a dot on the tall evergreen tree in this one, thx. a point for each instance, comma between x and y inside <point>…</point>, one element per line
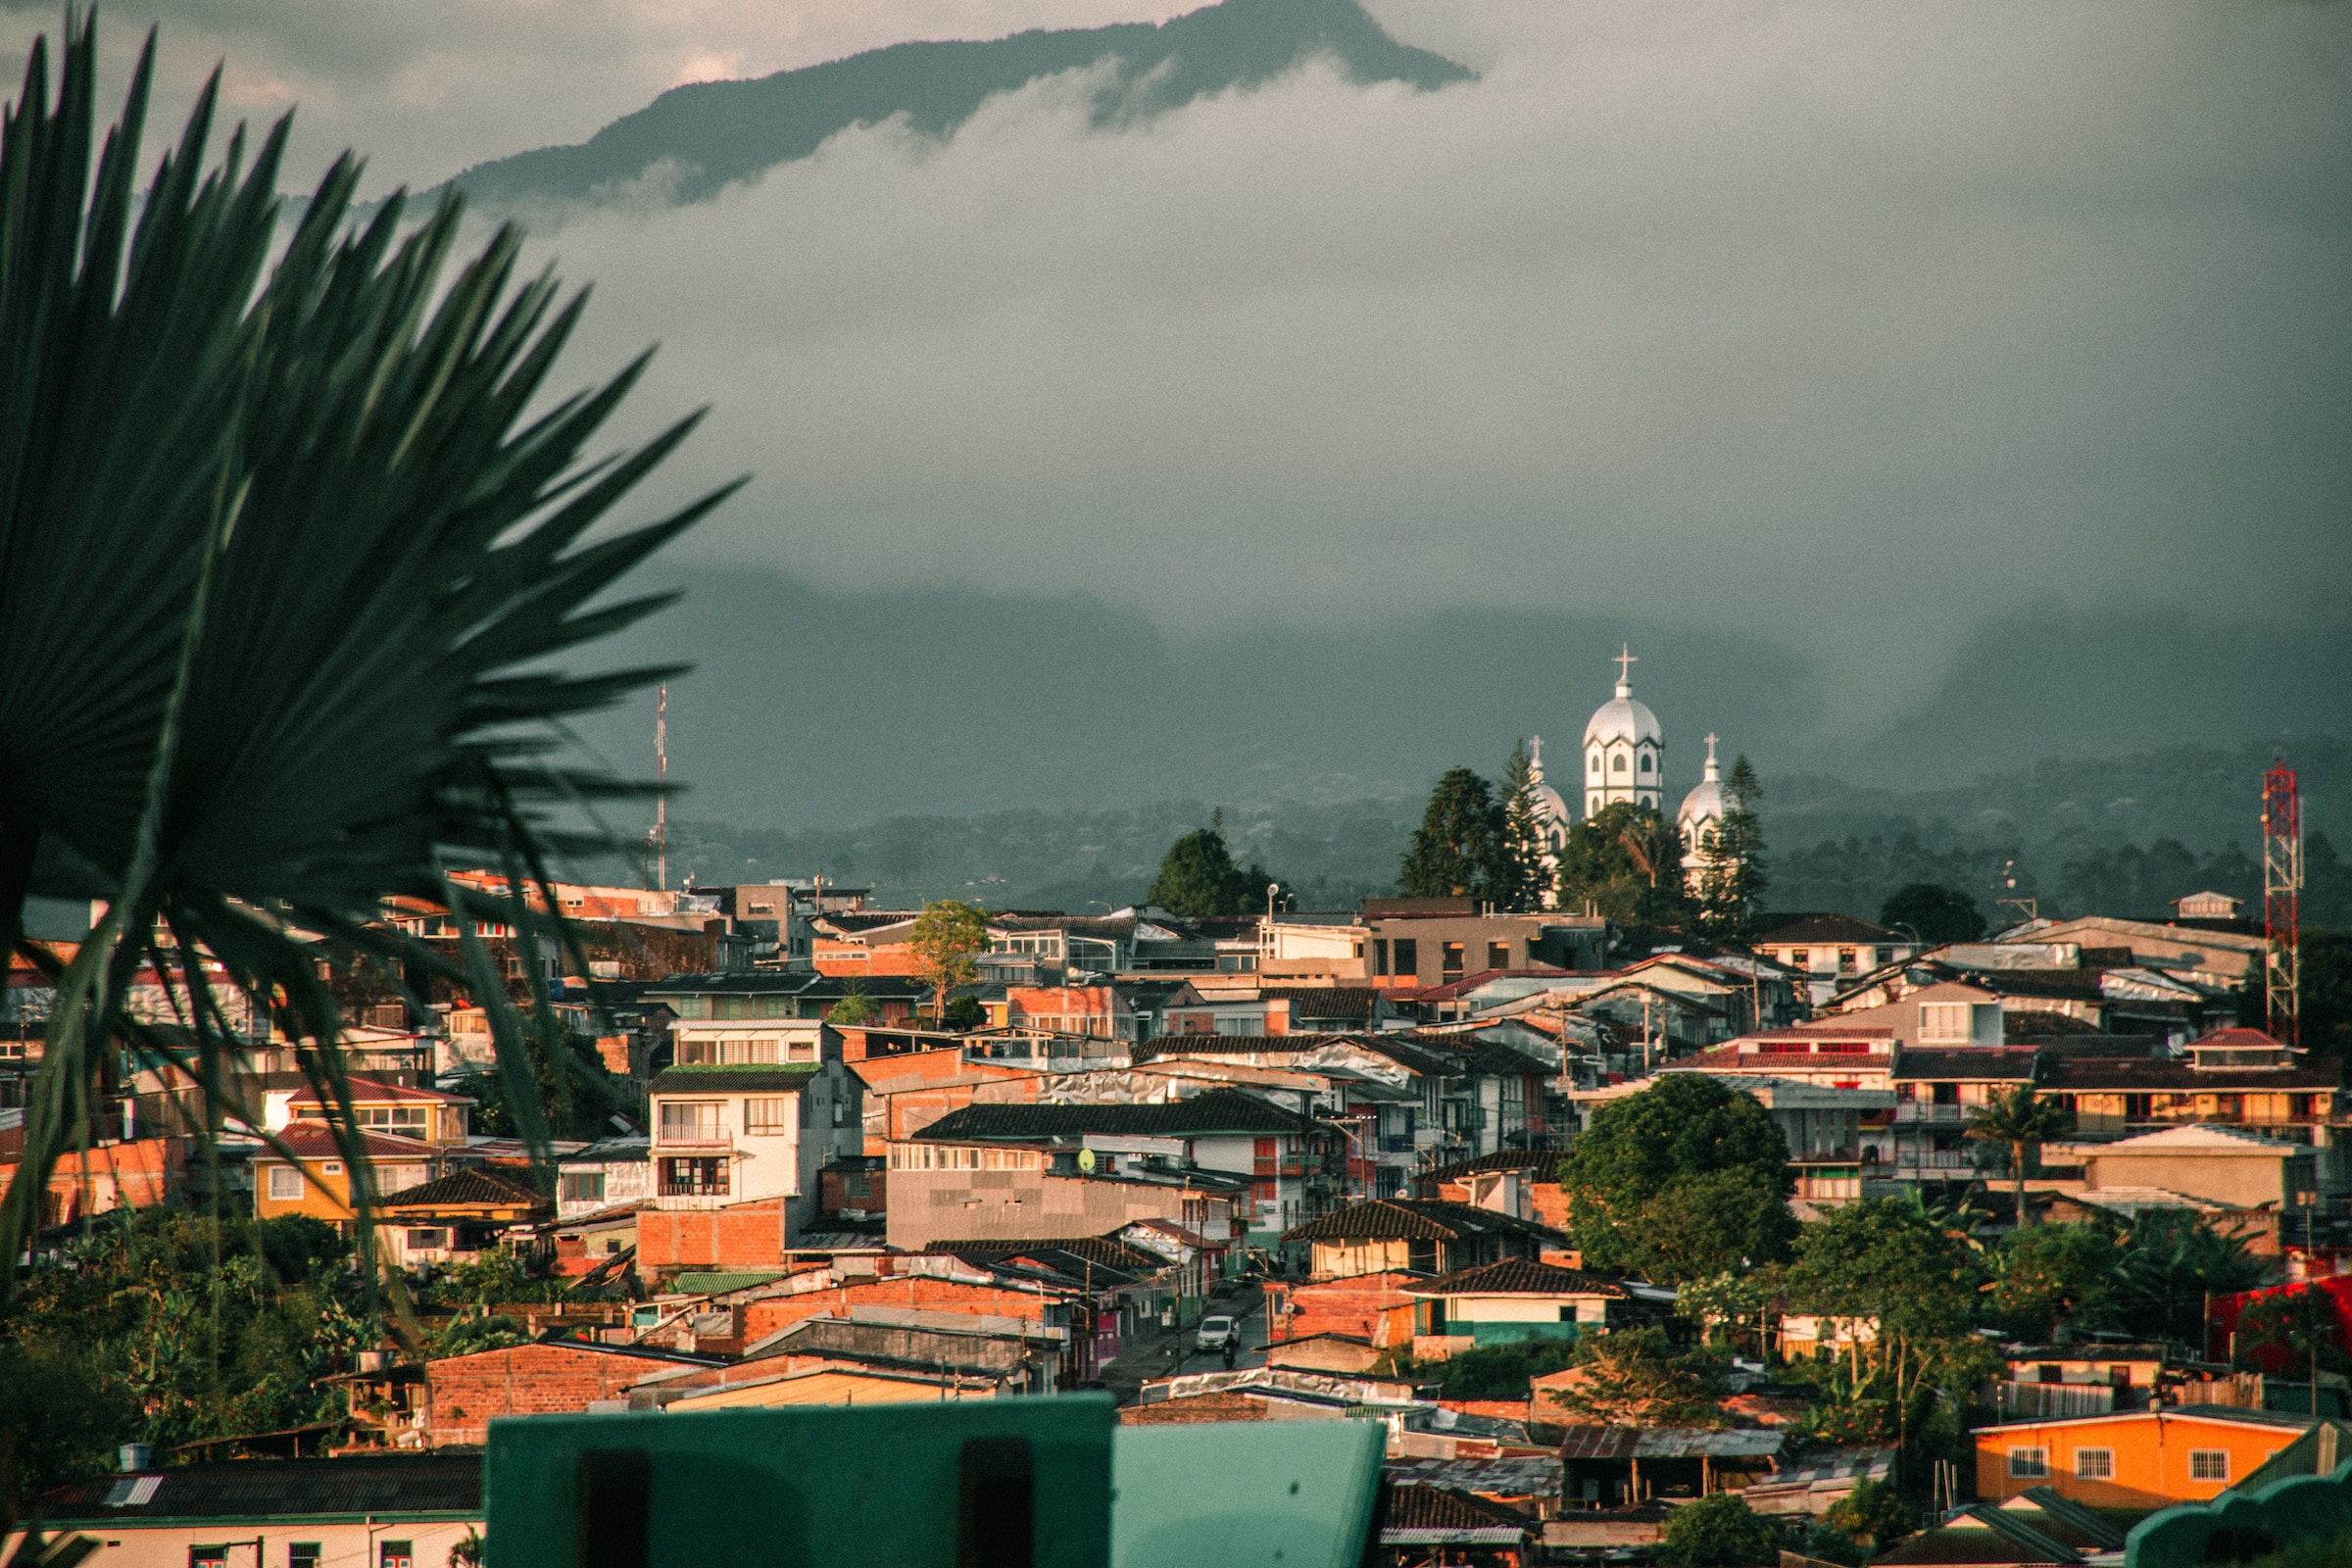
<point>1521,880</point>
<point>1455,850</point>
<point>1198,876</point>
<point>1625,862</point>
<point>1731,889</point>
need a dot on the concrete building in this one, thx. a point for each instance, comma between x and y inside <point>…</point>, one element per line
<point>736,1157</point>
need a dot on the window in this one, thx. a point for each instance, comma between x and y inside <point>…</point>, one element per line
<point>1845,961</point>
<point>767,1114</point>
<point>302,1554</point>
<point>334,1167</point>
<point>285,1183</point>
<point>1646,760</point>
<point>2028,1465</point>
<point>400,1118</point>
<point>1498,954</point>
<point>755,1052</point>
<point>1453,958</point>
<point>1408,955</point>
<point>1592,767</point>
<point>693,1178</point>
<point>2094,1465</point>
<point>2208,1464</point>
<point>1380,956</point>
<point>208,1557</point>
<point>690,1121</point>
<point>1617,764</point>
<point>396,1554</point>
<point>429,1239</point>
<point>1943,1020</point>
<point>581,1186</point>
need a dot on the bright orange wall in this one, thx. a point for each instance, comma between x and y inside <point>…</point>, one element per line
<point>2151,1457</point>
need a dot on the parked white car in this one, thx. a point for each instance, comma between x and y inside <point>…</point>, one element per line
<point>1214,1331</point>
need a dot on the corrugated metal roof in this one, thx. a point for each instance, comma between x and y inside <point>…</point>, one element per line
<point>1220,1110</point>
<point>1413,1219</point>
<point>279,1489</point>
<point>1518,1276</point>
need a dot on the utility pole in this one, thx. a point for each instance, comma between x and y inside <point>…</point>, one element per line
<point>662,776</point>
<point>2281,887</point>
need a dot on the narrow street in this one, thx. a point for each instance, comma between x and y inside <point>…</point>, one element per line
<point>1155,1353</point>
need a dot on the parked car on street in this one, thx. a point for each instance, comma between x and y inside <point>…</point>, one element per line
<point>1216,1332</point>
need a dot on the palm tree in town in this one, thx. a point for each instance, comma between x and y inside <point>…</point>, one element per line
<point>287,552</point>
<point>2021,1122</point>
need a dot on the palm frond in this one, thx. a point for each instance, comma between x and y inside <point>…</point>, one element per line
<point>286,565</point>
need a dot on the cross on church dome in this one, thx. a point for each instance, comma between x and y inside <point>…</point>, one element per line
<point>1625,663</point>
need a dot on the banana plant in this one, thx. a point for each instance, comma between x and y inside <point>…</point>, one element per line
<point>292,550</point>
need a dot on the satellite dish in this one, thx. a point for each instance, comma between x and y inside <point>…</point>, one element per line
<point>1085,1159</point>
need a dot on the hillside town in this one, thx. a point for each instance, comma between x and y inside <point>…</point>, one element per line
<point>1639,1238</point>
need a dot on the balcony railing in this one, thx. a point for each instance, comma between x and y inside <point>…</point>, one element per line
<point>698,1142</point>
<point>2030,1401</point>
<point>1397,1142</point>
<point>1948,1115</point>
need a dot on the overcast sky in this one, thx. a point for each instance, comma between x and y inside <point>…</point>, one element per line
<point>1844,326</point>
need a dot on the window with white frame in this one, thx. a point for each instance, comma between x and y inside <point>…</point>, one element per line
<point>757,1050</point>
<point>2208,1464</point>
<point>2028,1465</point>
<point>285,1183</point>
<point>1944,1021</point>
<point>2094,1465</point>
<point>765,1116</point>
<point>689,1121</point>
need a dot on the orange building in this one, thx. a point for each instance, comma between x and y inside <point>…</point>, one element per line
<point>317,1182</point>
<point>2142,1459</point>
<point>140,1174</point>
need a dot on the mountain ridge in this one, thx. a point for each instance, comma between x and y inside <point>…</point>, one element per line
<point>707,135</point>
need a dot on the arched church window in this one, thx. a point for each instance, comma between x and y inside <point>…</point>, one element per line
<point>1617,765</point>
<point>1594,768</point>
<point>1645,762</point>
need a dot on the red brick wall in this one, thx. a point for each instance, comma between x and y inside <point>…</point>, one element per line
<point>464,1392</point>
<point>745,1236</point>
<point>839,1189</point>
<point>1370,1306</point>
<point>765,1317</point>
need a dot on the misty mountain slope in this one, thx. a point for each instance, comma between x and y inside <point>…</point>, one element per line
<point>715,132</point>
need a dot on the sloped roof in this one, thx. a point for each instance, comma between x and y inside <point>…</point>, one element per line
<point>314,1140</point>
<point>2148,1075</point>
<point>1431,1516</point>
<point>465,1188</point>
<point>1826,928</point>
<point>2200,1139</point>
<point>1538,1159</point>
<point>1517,1276</point>
<point>1978,1063</point>
<point>388,1487</point>
<point>1220,1110</point>
<point>1239,1045</point>
<point>1412,1219</point>
<point>1325,1002</point>
<point>1107,1252</point>
<point>370,1091</point>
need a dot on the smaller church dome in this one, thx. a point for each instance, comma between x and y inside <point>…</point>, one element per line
<point>1705,803</point>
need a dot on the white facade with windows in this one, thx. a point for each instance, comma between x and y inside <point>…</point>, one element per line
<point>725,1135</point>
<point>1625,751</point>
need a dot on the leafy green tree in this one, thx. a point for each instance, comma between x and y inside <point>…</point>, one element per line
<point>1825,1542</point>
<point>964,1014</point>
<point>1688,1178</point>
<point>1521,881</point>
<point>2020,1121</point>
<point>1499,1371</point>
<point>1735,1302</point>
<point>308,539</point>
<point>1460,840</point>
<point>854,1008</point>
<point>947,938</point>
<point>1719,1531</point>
<point>1910,1282</point>
<point>2172,1263</point>
<point>1875,1513</point>
<point>1731,890</point>
<point>1198,876</point>
<point>1635,1377</point>
<point>1625,862</point>
<point>1937,914</point>
<point>2056,1276</point>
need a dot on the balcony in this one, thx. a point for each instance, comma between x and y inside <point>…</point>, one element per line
<point>1397,1142</point>
<point>694,1143</point>
<point>1938,1115</point>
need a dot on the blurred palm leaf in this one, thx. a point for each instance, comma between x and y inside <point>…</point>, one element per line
<point>283,566</point>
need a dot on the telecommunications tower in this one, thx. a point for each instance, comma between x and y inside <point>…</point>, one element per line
<point>2281,882</point>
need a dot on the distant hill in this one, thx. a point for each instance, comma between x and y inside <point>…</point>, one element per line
<point>698,138</point>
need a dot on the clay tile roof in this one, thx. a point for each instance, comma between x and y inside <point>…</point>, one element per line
<point>1106,1252</point>
<point>314,1140</point>
<point>721,1080</point>
<point>1826,928</point>
<point>1411,1219</point>
<point>1516,1276</point>
<point>368,1091</point>
<point>1222,1406</point>
<point>1421,1508</point>
<point>1235,1045</point>
<point>1547,1161</point>
<point>465,1188</point>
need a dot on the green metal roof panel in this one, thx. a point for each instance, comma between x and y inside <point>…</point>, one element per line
<point>715,1284</point>
<point>1299,1493</point>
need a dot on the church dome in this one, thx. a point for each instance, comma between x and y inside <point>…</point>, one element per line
<point>1705,802</point>
<point>1623,718</point>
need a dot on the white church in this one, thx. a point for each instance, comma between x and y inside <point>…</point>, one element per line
<point>1625,761</point>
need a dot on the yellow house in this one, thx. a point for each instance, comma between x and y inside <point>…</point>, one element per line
<point>317,1180</point>
<point>423,1113</point>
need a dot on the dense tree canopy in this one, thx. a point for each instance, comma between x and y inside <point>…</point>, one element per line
<point>947,938</point>
<point>1934,913</point>
<point>1454,851</point>
<point>1730,888</point>
<point>1198,876</point>
<point>1684,1180</point>
<point>1626,862</point>
<point>1522,879</point>
<point>1719,1531</point>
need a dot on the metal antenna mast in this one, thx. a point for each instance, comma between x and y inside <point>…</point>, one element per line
<point>662,800</point>
<point>2281,883</point>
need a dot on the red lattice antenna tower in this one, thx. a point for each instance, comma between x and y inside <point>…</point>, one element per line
<point>2281,883</point>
